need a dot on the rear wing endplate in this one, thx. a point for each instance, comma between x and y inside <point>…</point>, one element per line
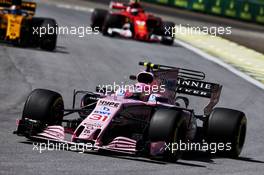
<point>201,89</point>
<point>189,82</point>
<point>28,6</point>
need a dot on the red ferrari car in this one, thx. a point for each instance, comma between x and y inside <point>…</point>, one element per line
<point>131,21</point>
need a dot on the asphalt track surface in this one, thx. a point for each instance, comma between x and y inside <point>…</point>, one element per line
<point>82,63</point>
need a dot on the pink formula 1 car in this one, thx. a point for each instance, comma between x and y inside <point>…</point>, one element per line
<point>148,118</point>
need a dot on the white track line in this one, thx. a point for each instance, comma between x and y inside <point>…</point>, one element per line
<point>75,7</point>
<point>221,63</point>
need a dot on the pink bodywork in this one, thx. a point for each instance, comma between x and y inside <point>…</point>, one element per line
<point>99,120</point>
<point>96,121</point>
<point>95,124</point>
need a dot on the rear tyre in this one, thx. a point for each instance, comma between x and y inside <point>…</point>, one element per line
<point>167,28</point>
<point>49,40</point>
<point>45,106</point>
<point>98,18</point>
<point>229,127</point>
<point>169,126</point>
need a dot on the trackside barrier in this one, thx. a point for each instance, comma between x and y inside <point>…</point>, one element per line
<point>198,5</point>
<point>258,9</point>
<point>217,7</point>
<point>181,3</point>
<point>230,8</point>
<point>246,10</point>
<point>163,1</point>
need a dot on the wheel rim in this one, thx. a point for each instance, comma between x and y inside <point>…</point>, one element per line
<point>56,111</point>
<point>178,136</point>
<point>241,136</point>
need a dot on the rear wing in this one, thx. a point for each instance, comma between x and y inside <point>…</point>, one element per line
<point>28,6</point>
<point>5,3</point>
<point>200,89</point>
<point>117,5</point>
<point>186,81</point>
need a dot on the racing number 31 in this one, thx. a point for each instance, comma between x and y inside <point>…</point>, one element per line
<point>98,117</point>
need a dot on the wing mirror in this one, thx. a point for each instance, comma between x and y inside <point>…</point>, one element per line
<point>133,77</point>
<point>100,90</point>
<point>162,99</point>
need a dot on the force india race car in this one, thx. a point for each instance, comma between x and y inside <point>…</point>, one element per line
<point>131,21</point>
<point>142,123</point>
<point>17,25</point>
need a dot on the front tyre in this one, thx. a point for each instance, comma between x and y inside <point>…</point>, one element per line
<point>227,126</point>
<point>112,21</point>
<point>167,31</point>
<point>45,106</point>
<point>98,18</point>
<point>169,126</point>
<point>48,41</point>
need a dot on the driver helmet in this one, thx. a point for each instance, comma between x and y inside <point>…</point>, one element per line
<point>135,7</point>
<point>145,82</point>
<point>134,11</point>
<point>145,77</point>
<point>133,1</point>
<point>16,7</point>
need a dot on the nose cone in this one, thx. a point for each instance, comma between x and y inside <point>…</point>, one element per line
<point>141,36</point>
<point>141,31</point>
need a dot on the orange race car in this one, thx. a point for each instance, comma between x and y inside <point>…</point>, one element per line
<point>19,27</point>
